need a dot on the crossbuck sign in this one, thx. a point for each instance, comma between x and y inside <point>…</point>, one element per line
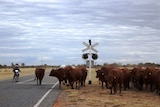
<point>90,47</point>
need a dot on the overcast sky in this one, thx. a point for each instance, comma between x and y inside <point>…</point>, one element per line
<point>52,31</point>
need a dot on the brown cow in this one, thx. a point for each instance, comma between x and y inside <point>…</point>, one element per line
<point>137,75</point>
<point>39,72</point>
<point>74,75</point>
<point>84,75</point>
<point>67,69</point>
<point>114,79</point>
<point>126,78</point>
<point>60,74</point>
<point>102,73</point>
<point>157,82</point>
<point>150,77</point>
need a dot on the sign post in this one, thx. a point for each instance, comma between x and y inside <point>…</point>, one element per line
<point>90,47</point>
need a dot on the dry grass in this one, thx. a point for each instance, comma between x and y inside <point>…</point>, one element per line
<point>94,96</point>
<point>7,73</point>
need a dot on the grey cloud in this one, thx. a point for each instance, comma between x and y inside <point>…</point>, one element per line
<point>51,28</point>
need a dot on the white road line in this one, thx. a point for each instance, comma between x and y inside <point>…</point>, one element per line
<point>46,83</point>
<point>45,95</point>
<point>25,81</point>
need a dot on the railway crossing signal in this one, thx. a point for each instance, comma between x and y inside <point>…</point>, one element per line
<point>94,56</point>
<point>91,47</point>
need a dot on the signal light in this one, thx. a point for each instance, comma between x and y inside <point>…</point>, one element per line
<point>94,56</point>
<point>85,56</point>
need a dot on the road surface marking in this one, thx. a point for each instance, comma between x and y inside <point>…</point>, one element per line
<point>45,95</point>
<point>43,83</point>
<point>25,81</point>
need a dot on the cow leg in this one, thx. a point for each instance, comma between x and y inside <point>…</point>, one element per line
<point>67,82</point>
<point>111,90</point>
<point>79,84</point>
<point>76,85</point>
<point>40,82</point>
<point>140,84</point>
<point>115,90</point>
<point>102,84</point>
<point>151,87</point>
<point>128,86</point>
<point>124,86</point>
<point>120,86</point>
<point>37,81</point>
<point>72,85</point>
<point>84,83</point>
<point>59,84</point>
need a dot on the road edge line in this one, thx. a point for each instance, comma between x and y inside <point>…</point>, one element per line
<point>25,81</point>
<point>45,95</point>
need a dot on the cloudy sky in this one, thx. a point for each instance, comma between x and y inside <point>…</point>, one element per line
<point>52,31</point>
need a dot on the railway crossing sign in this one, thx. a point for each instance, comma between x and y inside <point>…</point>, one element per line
<point>90,47</point>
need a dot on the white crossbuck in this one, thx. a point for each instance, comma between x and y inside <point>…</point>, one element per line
<point>90,46</point>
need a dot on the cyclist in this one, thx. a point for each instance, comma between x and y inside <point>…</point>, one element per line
<point>16,71</point>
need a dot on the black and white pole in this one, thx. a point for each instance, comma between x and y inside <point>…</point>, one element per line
<point>94,56</point>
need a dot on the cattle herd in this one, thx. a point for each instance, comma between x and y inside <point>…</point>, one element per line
<point>140,78</point>
<point>113,78</point>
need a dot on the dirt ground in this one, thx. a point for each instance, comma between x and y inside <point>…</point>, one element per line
<point>94,96</point>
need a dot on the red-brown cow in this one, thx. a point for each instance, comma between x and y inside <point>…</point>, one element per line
<point>126,78</point>
<point>39,72</point>
<point>102,73</point>
<point>84,75</point>
<point>157,82</point>
<point>74,75</point>
<point>114,79</point>
<point>150,77</point>
<point>67,69</point>
<point>60,74</point>
<point>137,75</point>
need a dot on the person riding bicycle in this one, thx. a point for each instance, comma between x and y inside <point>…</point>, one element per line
<point>16,71</point>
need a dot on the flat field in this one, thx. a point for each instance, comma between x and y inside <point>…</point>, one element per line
<point>94,96</point>
<point>7,73</point>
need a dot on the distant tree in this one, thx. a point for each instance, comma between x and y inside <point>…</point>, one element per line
<point>149,64</point>
<point>12,64</point>
<point>140,64</point>
<point>105,64</point>
<point>23,64</point>
<point>5,66</point>
<point>1,66</point>
<point>116,64</point>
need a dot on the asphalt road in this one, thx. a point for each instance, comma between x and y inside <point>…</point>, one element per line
<point>26,93</point>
